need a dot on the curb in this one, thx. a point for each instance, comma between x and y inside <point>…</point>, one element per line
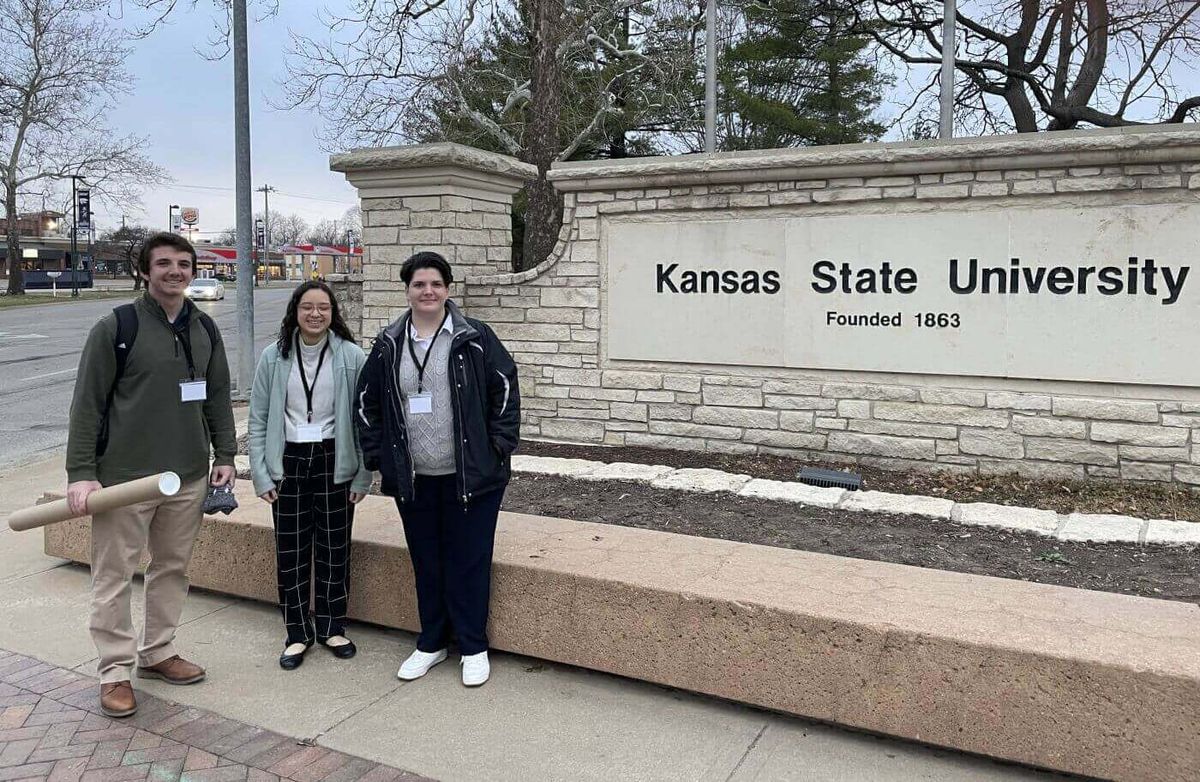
<point>1070,527</point>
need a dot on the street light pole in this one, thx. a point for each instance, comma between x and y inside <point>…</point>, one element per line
<point>946,124</point>
<point>710,77</point>
<point>245,264</point>
<point>74,236</point>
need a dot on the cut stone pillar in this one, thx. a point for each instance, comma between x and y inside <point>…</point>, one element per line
<point>451,199</point>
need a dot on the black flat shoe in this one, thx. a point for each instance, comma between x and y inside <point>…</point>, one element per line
<point>290,662</point>
<point>342,651</point>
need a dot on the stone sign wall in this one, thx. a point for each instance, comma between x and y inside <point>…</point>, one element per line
<point>1072,384</point>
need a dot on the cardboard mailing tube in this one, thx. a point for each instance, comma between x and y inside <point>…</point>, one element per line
<point>152,487</point>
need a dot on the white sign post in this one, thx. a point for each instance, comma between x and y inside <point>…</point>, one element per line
<point>54,283</point>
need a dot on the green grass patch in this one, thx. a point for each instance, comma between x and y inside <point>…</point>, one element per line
<point>64,297</point>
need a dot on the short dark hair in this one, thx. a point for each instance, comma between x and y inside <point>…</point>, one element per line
<point>426,260</point>
<point>163,239</point>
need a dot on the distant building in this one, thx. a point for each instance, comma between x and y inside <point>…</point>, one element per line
<point>305,261</point>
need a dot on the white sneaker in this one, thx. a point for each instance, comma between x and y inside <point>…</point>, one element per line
<point>475,669</point>
<point>419,663</point>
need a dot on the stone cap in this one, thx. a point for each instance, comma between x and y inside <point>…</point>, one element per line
<point>432,169</point>
<point>1058,149</point>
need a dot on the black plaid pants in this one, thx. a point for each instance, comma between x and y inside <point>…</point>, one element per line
<point>312,518</point>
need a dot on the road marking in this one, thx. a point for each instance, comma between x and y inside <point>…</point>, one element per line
<point>48,374</point>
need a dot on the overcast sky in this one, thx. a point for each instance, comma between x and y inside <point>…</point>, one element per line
<point>184,104</point>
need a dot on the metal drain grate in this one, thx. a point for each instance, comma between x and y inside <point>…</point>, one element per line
<point>814,476</point>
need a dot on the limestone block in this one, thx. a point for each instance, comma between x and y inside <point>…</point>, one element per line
<point>882,445</point>
<point>1016,401</point>
<point>1032,187</point>
<point>941,414</point>
<point>669,412</point>
<point>854,408</point>
<point>985,442</point>
<point>1077,451</point>
<point>900,429</point>
<point>1138,453</point>
<point>1188,421</point>
<point>626,411</point>
<point>1095,183</point>
<point>780,402</point>
<point>789,440</point>
<point>1037,426</point>
<point>987,514</point>
<point>1101,528</point>
<point>790,491</point>
<point>656,396</point>
<point>1133,434</point>
<point>572,430</point>
<point>701,480</point>
<point>635,380</point>
<point>1172,533</point>
<point>550,465</point>
<point>1187,473</point>
<point>885,502</point>
<point>989,189</point>
<point>577,377</point>
<point>685,383</point>
<point>824,423</point>
<point>1145,471</point>
<point>792,387</point>
<point>733,397</point>
<point>953,396</point>
<point>869,391</point>
<point>944,191</point>
<point>801,421</point>
<point>627,471</point>
<point>684,429</point>
<point>1107,409</point>
<point>570,297</point>
<point>732,416</point>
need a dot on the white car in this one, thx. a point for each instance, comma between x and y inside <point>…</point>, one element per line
<point>205,288</point>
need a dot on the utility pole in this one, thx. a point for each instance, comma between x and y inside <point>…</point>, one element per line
<point>244,193</point>
<point>946,125</point>
<point>266,190</point>
<point>710,77</point>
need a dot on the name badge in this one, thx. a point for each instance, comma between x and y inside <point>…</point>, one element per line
<point>193,390</point>
<point>420,404</point>
<point>308,433</point>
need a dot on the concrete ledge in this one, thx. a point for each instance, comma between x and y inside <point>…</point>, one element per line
<point>1087,682</point>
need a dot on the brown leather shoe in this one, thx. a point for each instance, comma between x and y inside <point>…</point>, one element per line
<point>116,699</point>
<point>173,670</point>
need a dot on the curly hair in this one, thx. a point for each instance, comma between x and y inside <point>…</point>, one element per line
<point>291,321</point>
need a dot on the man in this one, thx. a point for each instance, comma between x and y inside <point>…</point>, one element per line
<point>161,411</point>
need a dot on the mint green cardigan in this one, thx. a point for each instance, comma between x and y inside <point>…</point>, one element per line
<point>268,400</point>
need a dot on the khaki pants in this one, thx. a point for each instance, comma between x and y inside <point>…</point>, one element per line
<point>167,528</point>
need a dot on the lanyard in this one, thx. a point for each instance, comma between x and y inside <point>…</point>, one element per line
<point>308,390</point>
<point>412,351</point>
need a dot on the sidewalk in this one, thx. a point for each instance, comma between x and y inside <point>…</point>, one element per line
<point>533,721</point>
<point>50,729</point>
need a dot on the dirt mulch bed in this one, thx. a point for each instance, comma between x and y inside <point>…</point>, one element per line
<point>1167,572</point>
<point>1146,501</point>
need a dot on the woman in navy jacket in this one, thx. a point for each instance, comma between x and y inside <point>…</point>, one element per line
<point>438,414</point>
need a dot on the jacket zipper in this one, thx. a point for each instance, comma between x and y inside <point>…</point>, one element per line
<point>462,430</point>
<point>399,410</point>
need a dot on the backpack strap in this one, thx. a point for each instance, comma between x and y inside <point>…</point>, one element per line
<point>127,330</point>
<point>211,328</point>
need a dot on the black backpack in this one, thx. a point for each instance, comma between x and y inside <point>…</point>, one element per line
<point>127,331</point>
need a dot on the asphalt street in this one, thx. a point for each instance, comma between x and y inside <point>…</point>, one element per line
<point>39,353</point>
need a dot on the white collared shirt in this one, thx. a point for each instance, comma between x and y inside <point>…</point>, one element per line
<point>423,342</point>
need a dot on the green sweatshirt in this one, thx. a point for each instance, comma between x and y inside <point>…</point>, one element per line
<point>150,428</point>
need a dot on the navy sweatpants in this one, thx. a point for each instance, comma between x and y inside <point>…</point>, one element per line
<point>451,550</point>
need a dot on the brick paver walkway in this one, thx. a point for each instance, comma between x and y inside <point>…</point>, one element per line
<point>51,728</point>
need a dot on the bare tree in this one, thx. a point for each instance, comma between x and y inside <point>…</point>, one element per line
<point>1050,64</point>
<point>288,229</point>
<point>327,232</point>
<point>127,241</point>
<point>227,237</point>
<point>61,69</point>
<point>397,71</point>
